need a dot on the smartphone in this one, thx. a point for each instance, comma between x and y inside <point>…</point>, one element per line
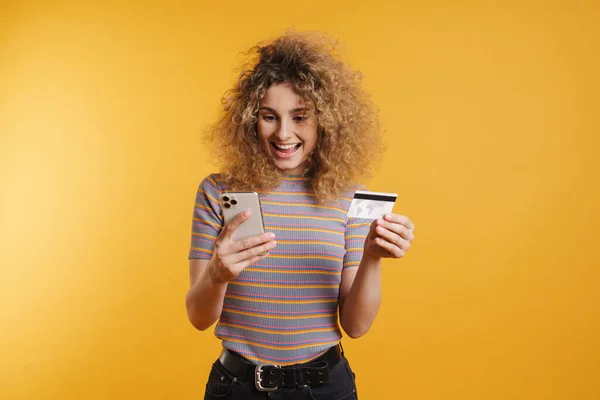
<point>234,203</point>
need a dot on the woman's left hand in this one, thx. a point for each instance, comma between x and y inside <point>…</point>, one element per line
<point>389,237</point>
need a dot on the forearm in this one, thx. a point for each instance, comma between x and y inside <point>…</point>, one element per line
<point>361,303</point>
<point>204,300</point>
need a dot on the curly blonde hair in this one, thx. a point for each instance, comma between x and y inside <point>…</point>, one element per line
<point>348,133</point>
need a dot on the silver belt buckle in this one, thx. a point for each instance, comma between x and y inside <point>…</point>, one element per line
<point>258,371</point>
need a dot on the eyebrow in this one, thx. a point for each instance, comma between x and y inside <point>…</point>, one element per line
<point>294,110</point>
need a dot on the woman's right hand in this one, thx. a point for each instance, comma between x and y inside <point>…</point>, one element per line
<point>230,258</point>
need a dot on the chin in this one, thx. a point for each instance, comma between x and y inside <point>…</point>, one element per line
<point>296,169</point>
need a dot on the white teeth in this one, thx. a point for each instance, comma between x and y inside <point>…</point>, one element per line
<point>285,146</point>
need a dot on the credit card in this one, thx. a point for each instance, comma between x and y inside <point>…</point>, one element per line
<point>371,205</point>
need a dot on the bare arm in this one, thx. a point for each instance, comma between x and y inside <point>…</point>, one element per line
<point>204,300</point>
<point>209,278</point>
<point>360,296</point>
<point>360,289</point>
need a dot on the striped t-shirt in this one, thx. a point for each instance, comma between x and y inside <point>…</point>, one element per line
<point>284,308</point>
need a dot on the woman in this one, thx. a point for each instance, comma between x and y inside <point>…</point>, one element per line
<point>298,129</point>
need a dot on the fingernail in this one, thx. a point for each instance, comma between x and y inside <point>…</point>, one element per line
<point>246,213</point>
<point>270,235</point>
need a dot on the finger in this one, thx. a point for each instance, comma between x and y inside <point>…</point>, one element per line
<point>393,238</point>
<point>392,249</point>
<point>398,229</point>
<point>230,270</point>
<point>232,225</point>
<point>400,219</point>
<point>246,263</point>
<point>253,241</point>
<point>255,251</point>
<point>372,233</point>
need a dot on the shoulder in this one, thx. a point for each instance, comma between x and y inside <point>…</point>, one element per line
<point>214,183</point>
<point>346,196</point>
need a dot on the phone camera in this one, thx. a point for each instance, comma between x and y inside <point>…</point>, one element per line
<point>233,202</point>
<point>227,205</point>
<point>225,198</point>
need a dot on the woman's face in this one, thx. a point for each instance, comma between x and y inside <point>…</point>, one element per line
<point>287,128</point>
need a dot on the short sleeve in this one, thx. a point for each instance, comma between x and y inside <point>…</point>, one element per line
<point>207,220</point>
<point>357,230</point>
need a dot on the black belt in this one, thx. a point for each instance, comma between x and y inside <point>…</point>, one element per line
<point>268,377</point>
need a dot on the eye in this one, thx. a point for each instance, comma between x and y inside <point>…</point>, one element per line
<point>300,118</point>
<point>268,117</point>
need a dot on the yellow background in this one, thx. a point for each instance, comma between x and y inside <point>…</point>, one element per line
<point>491,118</point>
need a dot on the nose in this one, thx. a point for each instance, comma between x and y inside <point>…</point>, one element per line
<point>285,130</point>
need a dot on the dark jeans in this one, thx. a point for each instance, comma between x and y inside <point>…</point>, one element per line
<point>223,386</point>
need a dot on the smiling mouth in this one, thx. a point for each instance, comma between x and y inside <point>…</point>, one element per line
<point>286,150</point>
